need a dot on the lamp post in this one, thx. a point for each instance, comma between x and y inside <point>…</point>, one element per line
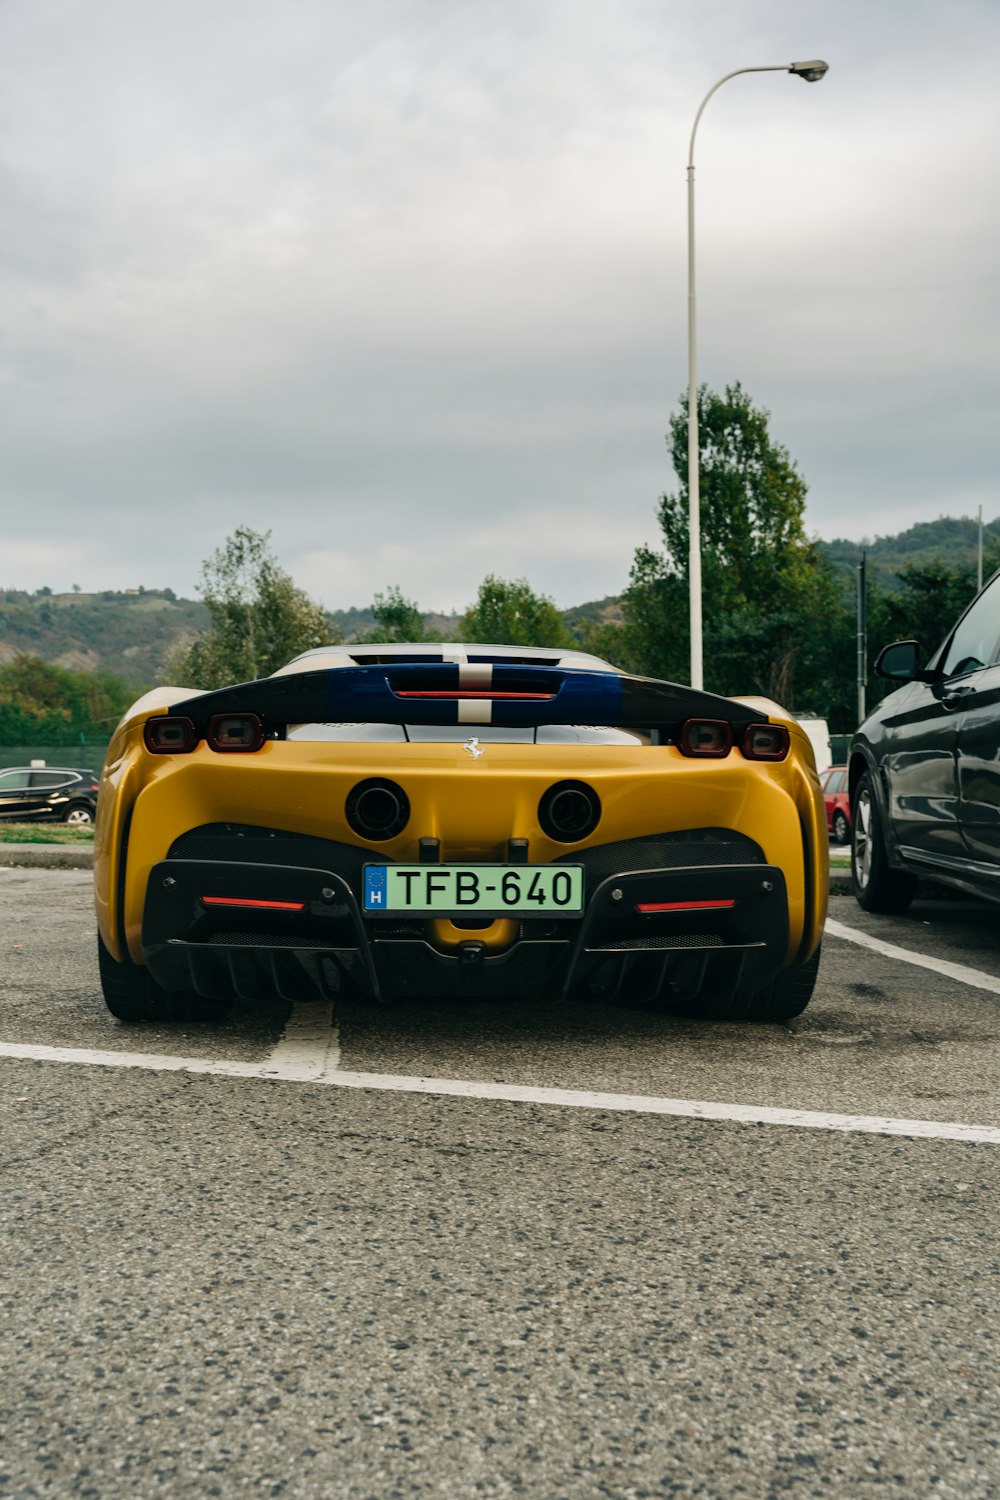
<point>812,72</point>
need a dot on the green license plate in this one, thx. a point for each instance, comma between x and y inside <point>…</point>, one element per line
<point>473,890</point>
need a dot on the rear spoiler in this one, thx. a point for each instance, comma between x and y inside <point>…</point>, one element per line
<point>453,693</point>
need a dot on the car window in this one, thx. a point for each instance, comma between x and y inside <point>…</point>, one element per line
<point>974,643</point>
<point>14,781</point>
<point>50,779</point>
<point>836,781</point>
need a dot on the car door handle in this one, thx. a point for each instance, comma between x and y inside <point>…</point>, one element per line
<point>956,694</point>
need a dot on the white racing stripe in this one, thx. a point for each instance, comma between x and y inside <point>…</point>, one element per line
<point>974,977</point>
<point>289,1070</point>
<point>475,710</point>
<point>475,676</point>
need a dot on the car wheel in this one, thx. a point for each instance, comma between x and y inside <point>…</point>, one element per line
<point>787,995</point>
<point>78,814</point>
<point>841,828</point>
<point>131,994</point>
<point>876,885</point>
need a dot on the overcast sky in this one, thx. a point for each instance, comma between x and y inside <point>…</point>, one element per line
<point>405,281</point>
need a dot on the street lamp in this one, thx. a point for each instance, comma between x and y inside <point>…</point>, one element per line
<point>812,72</point>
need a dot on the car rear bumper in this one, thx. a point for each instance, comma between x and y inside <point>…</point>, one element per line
<point>236,928</point>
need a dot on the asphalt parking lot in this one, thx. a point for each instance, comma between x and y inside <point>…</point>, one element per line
<point>464,1249</point>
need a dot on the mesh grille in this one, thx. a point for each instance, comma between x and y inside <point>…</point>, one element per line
<point>681,940</point>
<point>267,940</point>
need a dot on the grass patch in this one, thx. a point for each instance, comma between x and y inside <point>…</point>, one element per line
<point>45,833</point>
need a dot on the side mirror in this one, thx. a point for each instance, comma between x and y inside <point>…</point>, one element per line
<point>900,662</point>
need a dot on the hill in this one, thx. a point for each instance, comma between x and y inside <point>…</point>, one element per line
<point>583,617</point>
<point>130,634</point>
<point>133,633</point>
<point>952,540</point>
<point>354,624</point>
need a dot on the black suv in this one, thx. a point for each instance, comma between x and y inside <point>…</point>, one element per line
<point>925,767</point>
<point>29,794</point>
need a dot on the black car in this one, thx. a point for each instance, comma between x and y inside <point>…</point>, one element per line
<point>31,794</point>
<point>925,767</point>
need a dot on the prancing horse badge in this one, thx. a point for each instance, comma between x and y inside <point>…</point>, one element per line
<point>473,747</point>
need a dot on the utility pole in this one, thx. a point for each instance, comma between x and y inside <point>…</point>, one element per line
<point>862,635</point>
<point>979,566</point>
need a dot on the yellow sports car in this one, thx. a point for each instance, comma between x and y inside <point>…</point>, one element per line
<point>425,819</point>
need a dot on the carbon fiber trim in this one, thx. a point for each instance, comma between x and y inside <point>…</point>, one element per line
<point>431,693</point>
<point>271,940</point>
<point>244,844</point>
<point>326,945</point>
<point>653,943</point>
<point>692,848</point>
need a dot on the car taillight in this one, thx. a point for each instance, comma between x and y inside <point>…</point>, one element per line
<point>253,902</point>
<point>725,903</point>
<point>165,736</point>
<point>707,737</point>
<point>235,732</point>
<point>765,742</point>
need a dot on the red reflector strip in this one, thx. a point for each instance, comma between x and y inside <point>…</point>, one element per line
<point>244,901</point>
<point>459,694</point>
<point>685,905</point>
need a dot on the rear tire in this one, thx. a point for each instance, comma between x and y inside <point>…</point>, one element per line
<point>877,887</point>
<point>787,996</point>
<point>131,994</point>
<point>78,815</point>
<point>841,828</point>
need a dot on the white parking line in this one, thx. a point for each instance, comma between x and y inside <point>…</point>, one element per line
<point>290,1071</point>
<point>309,1048</point>
<point>975,977</point>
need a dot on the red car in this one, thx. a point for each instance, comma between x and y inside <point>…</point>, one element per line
<point>838,803</point>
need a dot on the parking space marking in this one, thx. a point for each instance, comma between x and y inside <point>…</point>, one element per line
<point>974,977</point>
<point>290,1071</point>
<point>309,1047</point>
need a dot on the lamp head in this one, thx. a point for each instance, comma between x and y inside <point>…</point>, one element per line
<point>811,71</point>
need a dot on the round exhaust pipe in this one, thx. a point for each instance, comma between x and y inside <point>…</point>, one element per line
<point>569,811</point>
<point>377,809</point>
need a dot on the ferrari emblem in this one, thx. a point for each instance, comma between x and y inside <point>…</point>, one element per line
<point>473,747</point>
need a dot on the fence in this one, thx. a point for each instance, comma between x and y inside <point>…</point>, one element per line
<point>78,757</point>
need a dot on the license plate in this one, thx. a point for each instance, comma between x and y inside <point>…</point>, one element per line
<point>473,890</point>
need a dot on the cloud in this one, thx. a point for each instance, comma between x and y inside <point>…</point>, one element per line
<point>406,282</point>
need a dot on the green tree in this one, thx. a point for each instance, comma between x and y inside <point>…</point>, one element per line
<point>767,595</point>
<point>44,704</point>
<point>259,618</point>
<point>507,612</point>
<point>396,618</point>
<point>653,636</point>
<point>926,606</point>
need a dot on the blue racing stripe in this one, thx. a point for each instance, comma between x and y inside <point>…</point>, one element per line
<point>371,694</point>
